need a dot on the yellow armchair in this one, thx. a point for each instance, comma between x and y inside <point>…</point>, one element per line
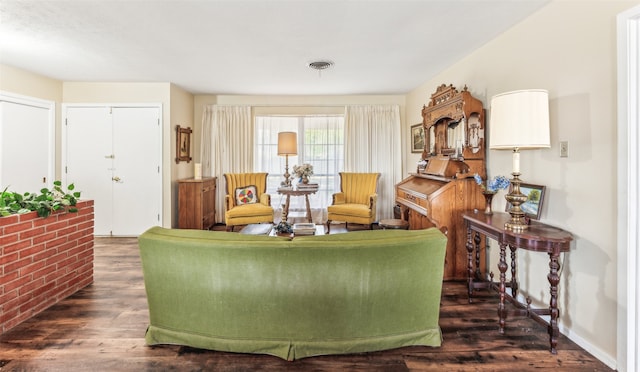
<point>357,200</point>
<point>246,201</point>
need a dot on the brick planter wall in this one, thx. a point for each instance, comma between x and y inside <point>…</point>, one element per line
<point>43,260</point>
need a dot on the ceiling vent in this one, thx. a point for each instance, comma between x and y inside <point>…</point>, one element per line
<point>320,65</point>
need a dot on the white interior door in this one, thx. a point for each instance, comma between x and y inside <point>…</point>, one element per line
<point>27,154</point>
<point>89,160</point>
<point>113,155</point>
<point>137,187</point>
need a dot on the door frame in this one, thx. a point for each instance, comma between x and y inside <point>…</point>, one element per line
<point>51,126</point>
<point>628,264</point>
<point>63,162</point>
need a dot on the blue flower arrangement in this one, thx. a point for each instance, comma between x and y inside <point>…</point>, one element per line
<point>493,185</point>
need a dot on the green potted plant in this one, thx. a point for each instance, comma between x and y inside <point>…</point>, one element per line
<point>44,203</point>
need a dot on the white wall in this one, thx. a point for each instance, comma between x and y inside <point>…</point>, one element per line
<point>568,48</point>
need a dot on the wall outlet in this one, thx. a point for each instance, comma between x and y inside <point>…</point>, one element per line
<point>564,149</point>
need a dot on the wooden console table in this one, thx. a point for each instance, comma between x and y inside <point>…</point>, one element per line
<point>538,237</point>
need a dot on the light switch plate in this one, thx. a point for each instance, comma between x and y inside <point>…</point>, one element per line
<point>564,149</point>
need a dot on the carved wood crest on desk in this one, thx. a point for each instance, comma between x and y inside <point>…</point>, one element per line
<point>440,190</point>
<point>454,127</point>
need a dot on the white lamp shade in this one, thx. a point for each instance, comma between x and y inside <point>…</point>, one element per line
<point>520,119</point>
<point>287,143</point>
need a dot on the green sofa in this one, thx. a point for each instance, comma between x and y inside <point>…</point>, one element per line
<point>293,298</point>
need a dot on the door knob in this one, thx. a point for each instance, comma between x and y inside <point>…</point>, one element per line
<point>116,178</point>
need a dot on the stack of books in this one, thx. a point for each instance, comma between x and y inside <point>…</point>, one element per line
<point>304,228</point>
<point>307,186</point>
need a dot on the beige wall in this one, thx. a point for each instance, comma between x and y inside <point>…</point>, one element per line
<point>571,51</point>
<point>181,114</point>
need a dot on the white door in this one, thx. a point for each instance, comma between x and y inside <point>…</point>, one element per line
<point>27,154</point>
<point>137,185</point>
<point>113,156</point>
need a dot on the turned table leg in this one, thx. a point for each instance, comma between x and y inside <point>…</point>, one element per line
<point>470,262</point>
<point>502,265</point>
<point>554,279</point>
<point>514,267</point>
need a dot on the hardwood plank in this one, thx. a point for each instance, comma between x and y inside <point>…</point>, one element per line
<point>102,328</point>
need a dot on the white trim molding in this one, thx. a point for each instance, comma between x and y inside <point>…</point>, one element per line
<point>628,327</point>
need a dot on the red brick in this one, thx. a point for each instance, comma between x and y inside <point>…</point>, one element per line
<point>31,251</point>
<point>28,288</point>
<point>86,254</point>
<point>55,259</point>
<point>54,276</point>
<point>4,279</point>
<point>35,266</point>
<point>56,225</point>
<point>20,245</point>
<point>31,233</point>
<point>6,239</point>
<point>85,225</point>
<point>29,216</point>
<point>67,246</point>
<point>42,289</point>
<point>9,220</point>
<point>8,296</point>
<point>16,283</point>
<point>56,242</point>
<point>7,315</point>
<point>44,237</point>
<point>86,239</point>
<point>46,253</point>
<point>44,271</point>
<point>18,227</point>
<point>5,259</point>
<point>67,261</point>
<point>67,231</point>
<point>46,221</point>
<point>15,265</point>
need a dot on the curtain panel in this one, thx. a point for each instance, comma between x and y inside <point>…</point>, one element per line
<point>227,145</point>
<point>373,144</point>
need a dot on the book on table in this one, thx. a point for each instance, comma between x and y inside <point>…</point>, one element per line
<point>304,228</point>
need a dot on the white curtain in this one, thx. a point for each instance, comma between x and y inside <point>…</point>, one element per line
<point>372,144</point>
<point>227,146</point>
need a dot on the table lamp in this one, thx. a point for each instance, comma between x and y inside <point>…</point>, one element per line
<point>287,145</point>
<point>519,120</point>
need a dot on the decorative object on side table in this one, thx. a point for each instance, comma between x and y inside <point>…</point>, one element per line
<point>532,208</point>
<point>284,227</point>
<point>303,172</point>
<point>491,188</point>
<point>519,120</point>
<point>287,145</point>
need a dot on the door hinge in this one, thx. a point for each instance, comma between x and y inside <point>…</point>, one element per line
<point>65,169</point>
<point>158,169</point>
<point>66,122</point>
<point>158,217</point>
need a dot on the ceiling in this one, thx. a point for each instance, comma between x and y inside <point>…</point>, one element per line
<point>252,47</point>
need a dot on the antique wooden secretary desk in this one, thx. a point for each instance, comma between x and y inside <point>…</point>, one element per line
<point>443,186</point>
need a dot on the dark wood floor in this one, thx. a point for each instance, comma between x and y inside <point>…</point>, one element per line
<point>101,328</point>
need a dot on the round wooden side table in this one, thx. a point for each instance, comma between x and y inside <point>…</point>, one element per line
<point>393,223</point>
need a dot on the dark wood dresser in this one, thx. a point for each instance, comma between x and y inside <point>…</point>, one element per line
<point>197,203</point>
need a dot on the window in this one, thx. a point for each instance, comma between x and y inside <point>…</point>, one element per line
<point>320,143</point>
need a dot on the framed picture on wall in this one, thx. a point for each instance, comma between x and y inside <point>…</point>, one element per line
<point>535,199</point>
<point>183,144</point>
<point>417,138</point>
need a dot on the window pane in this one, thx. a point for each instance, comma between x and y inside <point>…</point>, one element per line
<point>320,143</point>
